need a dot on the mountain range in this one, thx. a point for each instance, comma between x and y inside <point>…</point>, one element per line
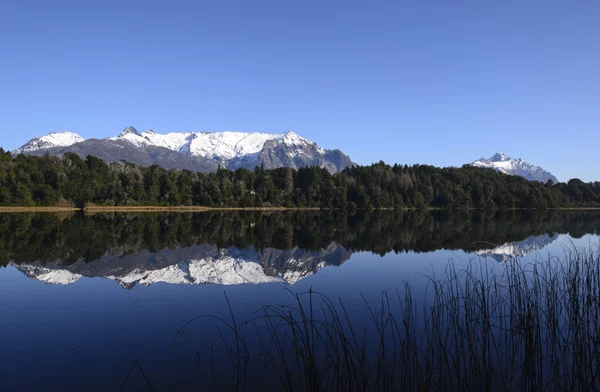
<point>516,167</point>
<point>206,151</point>
<point>197,151</point>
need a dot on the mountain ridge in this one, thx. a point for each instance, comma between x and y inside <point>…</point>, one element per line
<point>206,151</point>
<point>199,151</point>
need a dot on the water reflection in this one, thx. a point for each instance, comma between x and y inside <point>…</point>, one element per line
<point>510,250</point>
<point>172,268</point>
<point>255,247</point>
<point>193,265</point>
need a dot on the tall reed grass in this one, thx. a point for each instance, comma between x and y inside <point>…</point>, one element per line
<point>520,327</point>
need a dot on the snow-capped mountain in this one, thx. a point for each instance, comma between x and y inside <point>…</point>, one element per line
<point>222,146</point>
<point>518,249</point>
<point>200,151</point>
<point>516,167</point>
<point>51,140</point>
<point>196,265</point>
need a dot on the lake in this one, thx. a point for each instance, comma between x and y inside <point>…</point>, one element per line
<point>83,297</point>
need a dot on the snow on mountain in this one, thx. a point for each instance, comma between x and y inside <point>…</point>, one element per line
<point>222,146</point>
<point>511,250</point>
<point>517,167</point>
<point>171,141</point>
<point>228,149</point>
<point>54,139</point>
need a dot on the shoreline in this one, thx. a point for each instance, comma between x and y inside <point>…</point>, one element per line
<point>98,209</point>
<point>39,209</point>
<point>188,209</point>
<point>150,209</point>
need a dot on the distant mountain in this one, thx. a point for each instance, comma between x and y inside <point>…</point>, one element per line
<point>199,151</point>
<point>51,140</point>
<point>517,167</point>
<point>204,264</point>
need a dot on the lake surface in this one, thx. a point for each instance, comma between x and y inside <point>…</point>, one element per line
<point>83,297</point>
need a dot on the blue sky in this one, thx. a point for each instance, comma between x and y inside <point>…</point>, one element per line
<point>437,82</point>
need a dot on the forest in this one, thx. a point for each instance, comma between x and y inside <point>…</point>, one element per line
<point>73,181</point>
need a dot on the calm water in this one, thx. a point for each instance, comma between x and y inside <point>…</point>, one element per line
<point>83,297</point>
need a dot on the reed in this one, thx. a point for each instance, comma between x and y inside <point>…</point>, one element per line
<point>532,326</point>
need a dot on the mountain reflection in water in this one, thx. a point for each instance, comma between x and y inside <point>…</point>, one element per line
<point>258,247</point>
<point>194,265</point>
<point>505,252</point>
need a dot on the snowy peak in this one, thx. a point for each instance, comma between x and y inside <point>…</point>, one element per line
<point>51,140</point>
<point>292,138</point>
<point>129,131</point>
<point>516,167</point>
<point>499,157</point>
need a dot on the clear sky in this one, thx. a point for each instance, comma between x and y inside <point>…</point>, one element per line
<point>437,82</point>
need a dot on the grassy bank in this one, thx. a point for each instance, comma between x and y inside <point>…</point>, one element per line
<point>524,327</point>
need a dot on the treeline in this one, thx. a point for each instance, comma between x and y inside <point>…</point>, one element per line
<point>70,180</point>
<point>27,238</point>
